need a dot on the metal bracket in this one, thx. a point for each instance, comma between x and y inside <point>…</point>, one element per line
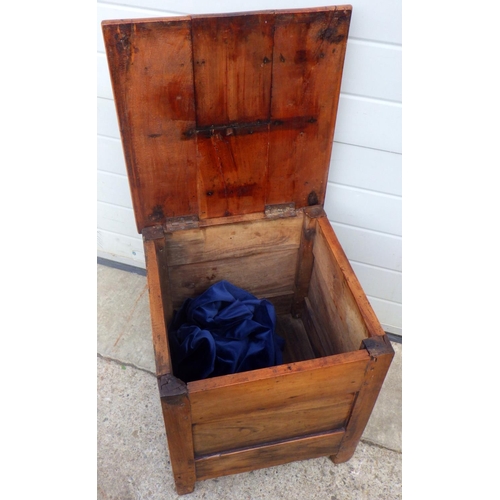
<point>377,346</point>
<point>280,211</point>
<point>170,386</point>
<point>180,223</point>
<point>152,232</point>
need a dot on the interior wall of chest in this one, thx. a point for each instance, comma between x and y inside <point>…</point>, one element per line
<point>287,261</point>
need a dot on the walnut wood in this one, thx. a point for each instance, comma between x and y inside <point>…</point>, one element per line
<point>152,78</point>
<point>266,424</point>
<point>297,344</point>
<point>177,416</point>
<point>268,455</point>
<point>282,303</point>
<point>231,219</point>
<point>308,58</point>
<point>381,352</point>
<point>276,387</point>
<point>157,308</point>
<point>227,126</point>
<point>317,339</point>
<point>304,265</point>
<point>223,115</point>
<point>232,85</point>
<point>361,302</point>
<point>262,274</point>
<point>335,306</point>
<point>232,240</point>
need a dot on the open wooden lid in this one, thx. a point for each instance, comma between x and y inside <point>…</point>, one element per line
<point>222,115</point>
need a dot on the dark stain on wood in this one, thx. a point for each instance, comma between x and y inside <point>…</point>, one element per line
<point>157,213</point>
<point>312,199</point>
<point>232,190</point>
<point>300,57</point>
<point>122,39</point>
<point>331,35</point>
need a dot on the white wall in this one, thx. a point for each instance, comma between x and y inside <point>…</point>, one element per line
<point>363,198</point>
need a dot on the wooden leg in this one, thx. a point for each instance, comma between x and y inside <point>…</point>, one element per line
<point>381,353</point>
<point>177,416</point>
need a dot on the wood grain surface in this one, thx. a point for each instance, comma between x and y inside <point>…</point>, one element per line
<point>223,115</point>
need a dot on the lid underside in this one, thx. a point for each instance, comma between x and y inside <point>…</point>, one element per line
<point>223,115</point>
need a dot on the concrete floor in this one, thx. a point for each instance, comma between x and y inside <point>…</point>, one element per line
<point>132,456</point>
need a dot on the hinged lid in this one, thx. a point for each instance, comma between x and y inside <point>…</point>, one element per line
<point>224,115</point>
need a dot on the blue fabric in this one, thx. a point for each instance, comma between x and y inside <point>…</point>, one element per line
<point>224,330</point>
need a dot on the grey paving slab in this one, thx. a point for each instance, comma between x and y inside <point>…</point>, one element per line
<point>123,320</point>
<point>133,460</point>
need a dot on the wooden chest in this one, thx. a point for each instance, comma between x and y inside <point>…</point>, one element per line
<point>227,125</point>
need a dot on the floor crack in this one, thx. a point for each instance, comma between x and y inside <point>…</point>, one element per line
<point>125,363</point>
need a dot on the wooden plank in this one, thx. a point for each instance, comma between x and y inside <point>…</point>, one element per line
<point>304,265</point>
<point>266,425</point>
<point>313,327</point>
<point>108,12</point>
<point>338,261</point>
<point>267,455</point>
<point>381,353</point>
<point>280,387</point>
<point>177,417</point>
<point>156,305</point>
<point>282,303</point>
<point>152,76</point>
<point>232,240</point>
<point>309,49</point>
<point>232,56</point>
<point>164,277</point>
<point>231,174</point>
<point>232,79</point>
<point>297,345</point>
<point>334,333</point>
<point>264,273</point>
<point>333,302</point>
<point>222,115</point>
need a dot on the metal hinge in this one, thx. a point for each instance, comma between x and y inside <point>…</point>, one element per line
<point>280,211</point>
<point>179,223</point>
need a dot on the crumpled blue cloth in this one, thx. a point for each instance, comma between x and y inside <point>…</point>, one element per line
<point>224,330</point>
